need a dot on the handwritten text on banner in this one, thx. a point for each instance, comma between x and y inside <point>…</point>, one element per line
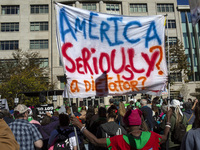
<point>111,54</point>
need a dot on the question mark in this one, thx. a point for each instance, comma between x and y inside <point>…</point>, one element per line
<point>144,79</point>
<point>160,59</point>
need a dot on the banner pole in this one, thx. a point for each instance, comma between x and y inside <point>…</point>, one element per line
<point>168,60</point>
<point>70,105</point>
<point>65,78</point>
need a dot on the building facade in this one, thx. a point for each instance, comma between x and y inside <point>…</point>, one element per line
<point>30,25</point>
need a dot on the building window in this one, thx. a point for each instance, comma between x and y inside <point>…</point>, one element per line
<point>165,7</point>
<point>9,27</point>
<point>172,40</point>
<point>10,9</point>
<point>174,94</point>
<point>113,8</point>
<point>39,26</point>
<point>5,64</point>
<point>175,77</point>
<point>138,8</point>
<point>9,45</point>
<point>89,6</point>
<point>171,24</point>
<point>39,9</point>
<point>39,44</point>
<point>62,81</point>
<point>43,62</point>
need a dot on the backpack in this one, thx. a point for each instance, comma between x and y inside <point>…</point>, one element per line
<point>178,133</point>
<point>62,141</point>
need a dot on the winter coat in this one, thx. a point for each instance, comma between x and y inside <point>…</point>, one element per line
<point>47,129</point>
<point>7,139</point>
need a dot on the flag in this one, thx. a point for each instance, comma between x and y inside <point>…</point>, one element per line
<point>195,11</point>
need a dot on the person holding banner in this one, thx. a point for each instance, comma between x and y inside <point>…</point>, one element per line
<point>135,139</point>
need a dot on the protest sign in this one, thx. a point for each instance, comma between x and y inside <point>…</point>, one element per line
<point>42,109</point>
<point>106,54</point>
<point>4,104</point>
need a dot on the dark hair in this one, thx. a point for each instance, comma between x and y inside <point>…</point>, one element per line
<point>1,115</point>
<point>6,113</point>
<point>102,112</point>
<point>187,105</point>
<point>197,116</point>
<point>18,115</point>
<point>64,120</point>
<point>46,120</point>
<point>112,111</point>
<point>74,108</point>
<point>111,100</point>
<point>89,114</point>
<point>129,107</point>
<point>56,113</point>
<point>35,113</point>
<point>165,101</point>
<point>83,108</point>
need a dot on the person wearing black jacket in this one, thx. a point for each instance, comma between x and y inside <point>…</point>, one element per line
<point>110,128</point>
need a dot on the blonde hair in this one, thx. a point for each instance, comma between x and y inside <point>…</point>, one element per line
<point>95,110</point>
<point>178,115</point>
<point>68,110</point>
<point>122,109</point>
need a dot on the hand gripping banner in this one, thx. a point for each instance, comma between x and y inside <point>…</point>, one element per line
<point>105,54</point>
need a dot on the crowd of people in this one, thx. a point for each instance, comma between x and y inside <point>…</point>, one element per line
<point>143,124</point>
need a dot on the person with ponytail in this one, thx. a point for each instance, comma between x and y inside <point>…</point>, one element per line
<point>110,128</point>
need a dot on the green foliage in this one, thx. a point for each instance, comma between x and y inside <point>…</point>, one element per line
<point>23,74</point>
<point>178,59</point>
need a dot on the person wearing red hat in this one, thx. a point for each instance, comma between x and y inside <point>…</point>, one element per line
<point>136,139</point>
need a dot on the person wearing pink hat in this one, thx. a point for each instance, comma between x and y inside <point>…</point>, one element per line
<point>135,139</point>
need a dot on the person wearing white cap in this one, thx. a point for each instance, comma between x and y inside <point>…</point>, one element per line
<point>177,117</point>
<point>26,134</point>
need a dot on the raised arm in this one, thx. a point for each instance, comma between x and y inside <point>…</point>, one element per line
<point>167,126</point>
<point>195,102</point>
<point>93,139</point>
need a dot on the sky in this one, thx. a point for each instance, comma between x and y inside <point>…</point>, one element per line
<point>183,2</point>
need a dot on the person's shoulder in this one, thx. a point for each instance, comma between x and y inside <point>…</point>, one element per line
<point>112,124</point>
<point>147,132</point>
<point>18,122</point>
<point>194,131</point>
<point>54,132</point>
<point>185,119</point>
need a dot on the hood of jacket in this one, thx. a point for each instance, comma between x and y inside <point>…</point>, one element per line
<point>110,128</point>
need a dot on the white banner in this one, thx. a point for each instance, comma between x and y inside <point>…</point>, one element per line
<point>195,11</point>
<point>107,54</point>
